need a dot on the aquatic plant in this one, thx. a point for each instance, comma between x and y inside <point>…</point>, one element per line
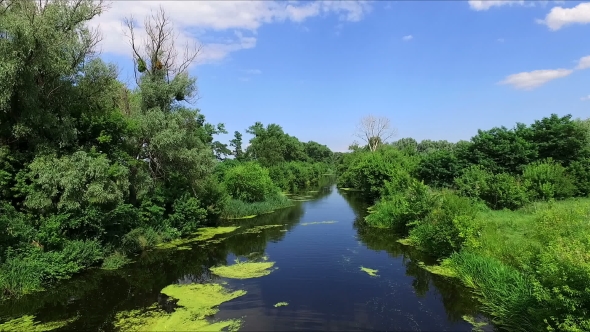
<point>281,304</point>
<point>115,261</point>
<point>244,270</point>
<point>371,272</point>
<point>29,324</point>
<point>196,302</point>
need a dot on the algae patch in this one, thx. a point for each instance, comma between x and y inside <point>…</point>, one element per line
<point>258,229</point>
<point>442,270</point>
<point>244,270</point>
<point>281,304</point>
<point>371,272</point>
<point>195,303</point>
<point>245,217</point>
<point>203,234</point>
<point>28,323</point>
<point>406,242</point>
<point>318,222</point>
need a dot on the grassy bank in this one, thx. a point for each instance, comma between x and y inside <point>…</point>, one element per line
<point>236,209</point>
<point>530,268</point>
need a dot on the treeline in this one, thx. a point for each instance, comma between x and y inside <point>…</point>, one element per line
<point>91,170</point>
<point>492,210</point>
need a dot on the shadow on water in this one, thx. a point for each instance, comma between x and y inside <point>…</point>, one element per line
<point>318,275</point>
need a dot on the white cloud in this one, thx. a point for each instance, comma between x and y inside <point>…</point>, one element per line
<point>407,38</point>
<point>585,98</point>
<point>559,17</point>
<point>500,40</point>
<point>584,63</point>
<point>534,79</point>
<point>487,4</point>
<point>192,17</point>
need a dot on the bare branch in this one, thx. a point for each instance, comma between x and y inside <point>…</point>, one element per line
<point>374,131</point>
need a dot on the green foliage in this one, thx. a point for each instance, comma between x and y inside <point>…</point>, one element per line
<point>249,182</point>
<point>296,175</point>
<point>271,146</point>
<point>439,168</point>
<point>548,180</point>
<point>447,227</point>
<point>399,209</point>
<point>498,191</point>
<point>239,209</point>
<point>579,171</point>
<point>502,150</point>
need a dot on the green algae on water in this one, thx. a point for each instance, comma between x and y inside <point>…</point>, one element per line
<point>195,303</point>
<point>318,222</point>
<point>442,270</point>
<point>281,304</point>
<point>244,270</point>
<point>202,234</point>
<point>244,217</point>
<point>28,323</point>
<point>406,242</point>
<point>258,229</point>
<point>371,272</point>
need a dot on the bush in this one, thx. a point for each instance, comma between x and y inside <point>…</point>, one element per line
<point>249,182</point>
<point>547,180</point>
<point>498,191</point>
<point>239,209</point>
<point>188,215</point>
<point>579,172</point>
<point>399,208</point>
<point>449,225</point>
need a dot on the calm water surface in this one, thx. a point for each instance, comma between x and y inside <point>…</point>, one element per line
<point>318,275</point>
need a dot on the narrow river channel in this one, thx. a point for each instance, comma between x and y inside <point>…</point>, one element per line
<point>319,275</point>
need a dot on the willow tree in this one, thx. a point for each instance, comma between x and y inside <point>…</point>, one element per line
<point>44,46</point>
<point>171,140</point>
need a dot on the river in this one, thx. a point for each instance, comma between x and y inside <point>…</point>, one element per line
<point>318,275</point>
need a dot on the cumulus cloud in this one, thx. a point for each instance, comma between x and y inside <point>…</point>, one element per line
<point>487,4</point>
<point>195,19</point>
<point>559,17</point>
<point>407,38</point>
<point>535,78</point>
<point>584,63</point>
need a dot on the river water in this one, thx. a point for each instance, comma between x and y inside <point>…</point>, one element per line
<point>318,274</point>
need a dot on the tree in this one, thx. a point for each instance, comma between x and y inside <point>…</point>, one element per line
<point>236,143</point>
<point>374,131</point>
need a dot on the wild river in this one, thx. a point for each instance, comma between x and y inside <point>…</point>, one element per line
<point>318,274</point>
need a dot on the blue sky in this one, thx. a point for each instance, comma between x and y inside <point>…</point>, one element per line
<point>317,68</point>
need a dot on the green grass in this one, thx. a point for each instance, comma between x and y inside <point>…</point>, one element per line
<point>236,209</point>
<point>530,268</point>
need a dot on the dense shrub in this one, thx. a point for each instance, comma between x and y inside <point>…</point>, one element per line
<point>498,191</point>
<point>400,208</point>
<point>579,171</point>
<point>547,179</point>
<point>249,182</point>
<point>447,227</point>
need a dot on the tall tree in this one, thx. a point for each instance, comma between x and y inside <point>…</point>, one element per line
<point>374,131</point>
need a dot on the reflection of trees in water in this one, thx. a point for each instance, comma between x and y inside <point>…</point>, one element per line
<point>242,244</point>
<point>456,299</point>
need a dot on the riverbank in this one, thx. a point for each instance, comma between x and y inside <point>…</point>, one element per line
<point>530,268</point>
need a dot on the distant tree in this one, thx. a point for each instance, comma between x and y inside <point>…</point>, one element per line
<point>271,145</point>
<point>407,144</point>
<point>318,152</point>
<point>236,143</point>
<point>374,131</point>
